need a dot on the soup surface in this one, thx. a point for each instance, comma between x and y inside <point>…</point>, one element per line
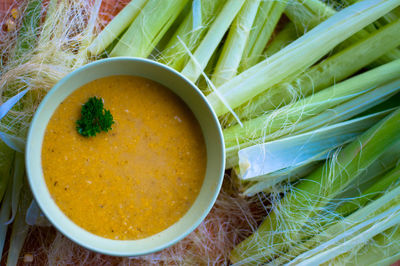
<point>135,180</point>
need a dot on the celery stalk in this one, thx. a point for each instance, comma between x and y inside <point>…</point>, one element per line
<point>332,70</point>
<point>229,60</point>
<point>301,54</point>
<point>174,53</point>
<point>206,48</point>
<point>254,49</point>
<point>116,26</point>
<point>148,28</point>
<point>310,106</point>
<point>312,193</point>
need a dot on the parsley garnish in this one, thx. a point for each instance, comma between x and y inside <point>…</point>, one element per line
<point>94,118</point>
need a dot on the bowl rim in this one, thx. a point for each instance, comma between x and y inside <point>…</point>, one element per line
<point>41,204</point>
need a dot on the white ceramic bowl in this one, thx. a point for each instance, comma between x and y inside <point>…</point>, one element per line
<point>182,87</point>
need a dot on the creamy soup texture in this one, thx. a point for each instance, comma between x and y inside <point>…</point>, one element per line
<point>135,180</point>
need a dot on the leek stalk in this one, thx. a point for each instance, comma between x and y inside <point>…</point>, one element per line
<point>276,182</point>
<point>335,216</point>
<point>310,106</point>
<point>383,249</point>
<point>302,53</point>
<point>283,38</point>
<point>209,44</point>
<point>29,29</point>
<point>6,159</point>
<point>148,28</point>
<point>377,189</point>
<point>175,54</point>
<point>301,149</point>
<point>5,212</point>
<point>308,13</point>
<point>116,26</point>
<point>355,225</point>
<point>360,234</point>
<point>336,114</point>
<point>268,18</point>
<point>332,70</point>
<point>20,227</point>
<point>311,193</point>
<point>229,60</point>
<point>296,253</point>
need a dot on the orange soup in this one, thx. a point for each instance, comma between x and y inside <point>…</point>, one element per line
<point>135,180</point>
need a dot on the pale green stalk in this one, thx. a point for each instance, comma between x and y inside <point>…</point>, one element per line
<point>6,159</point>
<point>361,220</point>
<point>204,84</point>
<point>362,233</point>
<point>88,35</point>
<point>283,38</point>
<point>375,190</point>
<point>28,31</point>
<point>307,14</point>
<point>332,70</point>
<point>257,161</point>
<point>5,213</point>
<point>171,32</point>
<point>301,54</point>
<point>175,54</point>
<point>336,114</point>
<point>275,182</point>
<point>148,28</point>
<point>229,60</point>
<point>383,249</point>
<point>20,228</point>
<point>270,182</point>
<point>209,44</point>
<point>256,30</point>
<point>116,26</point>
<point>18,176</point>
<point>313,192</point>
<point>310,106</point>
<point>256,45</point>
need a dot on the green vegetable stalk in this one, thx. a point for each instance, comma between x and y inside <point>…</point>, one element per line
<point>283,227</point>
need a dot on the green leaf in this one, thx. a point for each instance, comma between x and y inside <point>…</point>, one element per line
<point>94,118</point>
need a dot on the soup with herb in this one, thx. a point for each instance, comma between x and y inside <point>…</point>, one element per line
<point>136,179</point>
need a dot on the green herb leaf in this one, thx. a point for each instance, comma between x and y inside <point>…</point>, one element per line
<point>94,118</point>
